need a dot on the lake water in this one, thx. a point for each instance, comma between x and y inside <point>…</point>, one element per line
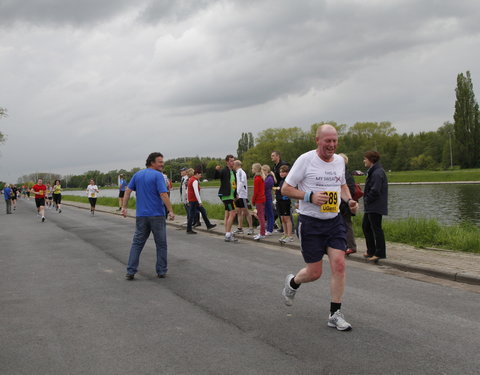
<point>448,203</point>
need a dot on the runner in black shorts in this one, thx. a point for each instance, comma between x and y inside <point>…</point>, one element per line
<point>317,180</point>
<point>57,195</point>
<point>39,189</point>
<point>227,193</point>
<point>92,191</point>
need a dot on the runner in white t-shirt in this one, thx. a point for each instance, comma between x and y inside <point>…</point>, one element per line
<point>92,192</point>
<point>317,180</point>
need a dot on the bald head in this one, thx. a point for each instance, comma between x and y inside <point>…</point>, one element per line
<point>327,140</point>
<point>325,129</point>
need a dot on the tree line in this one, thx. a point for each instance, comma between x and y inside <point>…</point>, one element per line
<point>452,145</point>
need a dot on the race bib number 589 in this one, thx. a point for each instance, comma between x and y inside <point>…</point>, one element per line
<point>332,204</point>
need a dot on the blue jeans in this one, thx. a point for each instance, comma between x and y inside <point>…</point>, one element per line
<point>269,214</point>
<point>143,226</point>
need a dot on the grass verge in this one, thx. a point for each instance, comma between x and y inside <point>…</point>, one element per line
<point>428,233</point>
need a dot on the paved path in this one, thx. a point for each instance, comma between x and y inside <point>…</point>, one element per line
<point>65,308</point>
<point>451,265</point>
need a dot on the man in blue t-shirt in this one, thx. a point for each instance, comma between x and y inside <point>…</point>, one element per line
<point>7,192</point>
<point>152,199</point>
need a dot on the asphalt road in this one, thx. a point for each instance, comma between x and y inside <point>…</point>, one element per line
<point>65,308</point>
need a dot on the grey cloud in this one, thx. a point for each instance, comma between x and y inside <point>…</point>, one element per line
<point>60,13</point>
<point>173,10</point>
<point>277,51</point>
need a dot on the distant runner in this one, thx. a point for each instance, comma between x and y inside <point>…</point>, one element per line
<point>39,189</point>
<point>92,193</point>
<point>57,195</point>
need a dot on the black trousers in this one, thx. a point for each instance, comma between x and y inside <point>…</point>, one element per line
<point>374,237</point>
<point>195,208</point>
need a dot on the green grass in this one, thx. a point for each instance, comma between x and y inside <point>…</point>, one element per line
<point>431,176</point>
<point>214,210</point>
<point>211,183</point>
<point>428,233</point>
<point>102,201</point>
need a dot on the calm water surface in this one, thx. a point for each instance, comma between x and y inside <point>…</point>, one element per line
<point>449,203</point>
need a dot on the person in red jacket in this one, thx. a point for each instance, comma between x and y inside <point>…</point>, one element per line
<point>195,202</point>
<point>258,198</point>
<point>39,190</point>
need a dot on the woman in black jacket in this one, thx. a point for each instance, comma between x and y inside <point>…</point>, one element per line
<point>375,206</point>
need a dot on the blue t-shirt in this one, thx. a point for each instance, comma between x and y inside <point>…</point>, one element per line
<point>123,184</point>
<point>6,193</point>
<point>148,184</point>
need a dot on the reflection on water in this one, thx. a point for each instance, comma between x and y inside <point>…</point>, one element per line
<point>448,203</point>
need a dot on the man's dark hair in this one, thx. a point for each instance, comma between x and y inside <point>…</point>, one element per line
<point>228,157</point>
<point>151,158</point>
<point>276,153</point>
<point>373,156</point>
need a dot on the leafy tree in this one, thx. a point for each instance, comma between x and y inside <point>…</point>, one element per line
<point>466,120</point>
<point>245,143</point>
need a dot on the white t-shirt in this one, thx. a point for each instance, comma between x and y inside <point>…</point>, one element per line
<point>184,187</point>
<point>310,173</point>
<point>92,191</point>
<point>242,184</point>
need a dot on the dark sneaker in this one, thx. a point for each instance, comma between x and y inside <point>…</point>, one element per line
<point>338,321</point>
<point>129,276</point>
<point>43,219</point>
<point>191,232</point>
<point>161,275</point>
<point>211,226</point>
<point>197,225</point>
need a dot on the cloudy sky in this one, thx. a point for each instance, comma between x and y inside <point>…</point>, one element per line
<point>100,84</point>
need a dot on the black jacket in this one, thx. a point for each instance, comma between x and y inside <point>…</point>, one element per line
<point>344,209</point>
<point>375,196</point>
<point>276,171</point>
<point>225,185</point>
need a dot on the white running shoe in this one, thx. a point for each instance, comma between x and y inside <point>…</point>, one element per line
<point>288,292</point>
<point>231,238</point>
<point>337,320</point>
<point>288,239</point>
<point>282,239</point>
<point>258,237</point>
<point>250,232</point>
<point>268,233</point>
<point>238,231</point>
